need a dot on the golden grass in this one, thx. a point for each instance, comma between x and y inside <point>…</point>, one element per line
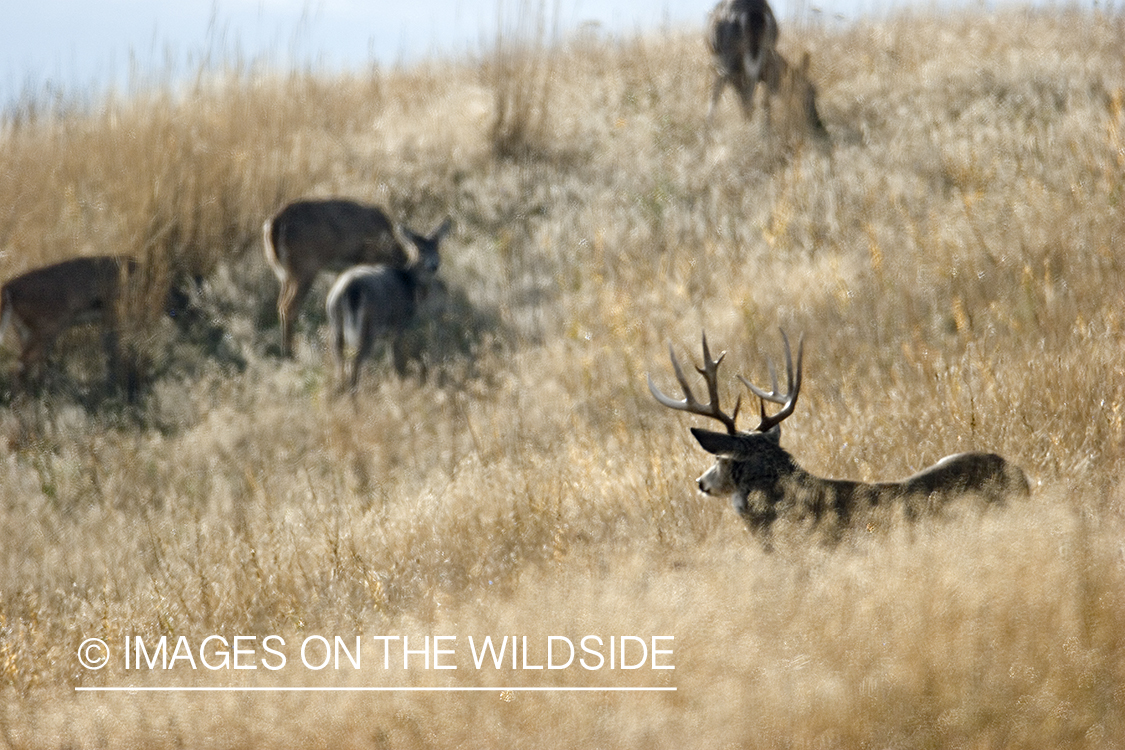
<point>953,259</point>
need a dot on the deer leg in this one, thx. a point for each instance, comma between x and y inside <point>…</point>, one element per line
<point>716,93</point>
<point>121,369</point>
<point>293,293</point>
<point>35,349</point>
<point>363,349</point>
<point>399,354</point>
<point>776,77</point>
<point>337,343</point>
<point>746,86</point>
<point>349,371</point>
<point>112,356</point>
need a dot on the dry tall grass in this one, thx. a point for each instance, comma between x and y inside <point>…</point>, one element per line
<point>954,259</point>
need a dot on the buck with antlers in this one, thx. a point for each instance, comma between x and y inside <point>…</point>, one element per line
<point>742,35</point>
<point>44,302</point>
<point>765,483</point>
<point>310,236</point>
<point>370,301</point>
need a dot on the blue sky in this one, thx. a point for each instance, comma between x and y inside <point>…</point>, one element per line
<point>86,45</point>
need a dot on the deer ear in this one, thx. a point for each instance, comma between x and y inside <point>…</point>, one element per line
<point>443,230</point>
<point>718,443</point>
<point>408,234</point>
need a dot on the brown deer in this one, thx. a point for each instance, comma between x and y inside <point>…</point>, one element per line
<point>369,301</point>
<point>44,302</point>
<point>310,236</point>
<point>742,35</point>
<point>765,483</point>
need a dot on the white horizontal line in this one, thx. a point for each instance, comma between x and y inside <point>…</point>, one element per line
<point>221,689</point>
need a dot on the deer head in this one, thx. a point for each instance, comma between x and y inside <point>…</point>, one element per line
<point>744,460</point>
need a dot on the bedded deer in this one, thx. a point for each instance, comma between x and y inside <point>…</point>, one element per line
<point>765,483</point>
<point>310,236</point>
<point>370,301</point>
<point>742,36</point>
<point>42,303</point>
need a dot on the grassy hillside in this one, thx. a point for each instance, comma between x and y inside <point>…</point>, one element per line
<point>953,258</point>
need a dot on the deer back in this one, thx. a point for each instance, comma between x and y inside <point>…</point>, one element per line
<point>987,474</point>
<point>49,299</point>
<point>312,235</point>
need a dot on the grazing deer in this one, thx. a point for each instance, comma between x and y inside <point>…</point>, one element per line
<point>310,236</point>
<point>42,303</point>
<point>765,483</point>
<point>742,35</point>
<point>369,301</point>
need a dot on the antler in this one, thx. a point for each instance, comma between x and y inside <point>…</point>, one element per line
<point>709,371</point>
<point>789,399</point>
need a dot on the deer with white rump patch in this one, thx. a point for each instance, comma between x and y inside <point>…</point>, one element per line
<point>742,36</point>
<point>370,301</point>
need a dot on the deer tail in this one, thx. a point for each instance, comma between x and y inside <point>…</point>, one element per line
<point>270,240</point>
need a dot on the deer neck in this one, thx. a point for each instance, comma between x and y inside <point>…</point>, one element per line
<point>796,492</point>
<point>411,280</point>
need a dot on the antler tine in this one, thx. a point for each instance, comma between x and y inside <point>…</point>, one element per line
<point>689,403</point>
<point>773,396</point>
<point>710,372</point>
<point>793,389</point>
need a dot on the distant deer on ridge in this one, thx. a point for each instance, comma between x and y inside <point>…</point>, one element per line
<point>765,483</point>
<point>310,236</point>
<point>742,36</point>
<point>370,301</point>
